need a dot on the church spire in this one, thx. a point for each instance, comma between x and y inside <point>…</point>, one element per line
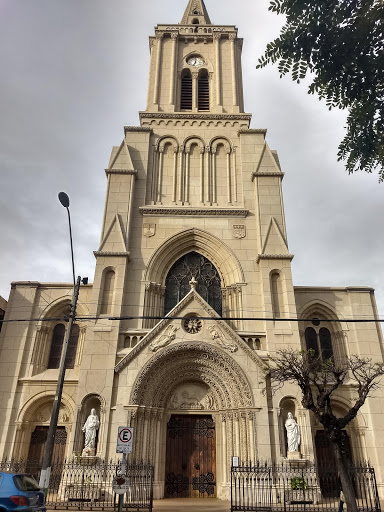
<point>195,14</point>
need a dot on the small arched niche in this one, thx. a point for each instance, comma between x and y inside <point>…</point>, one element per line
<point>287,405</point>
<point>92,401</point>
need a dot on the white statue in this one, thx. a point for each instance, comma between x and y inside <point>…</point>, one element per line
<point>91,426</point>
<point>293,433</point>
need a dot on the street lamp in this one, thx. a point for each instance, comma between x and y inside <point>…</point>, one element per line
<point>47,460</point>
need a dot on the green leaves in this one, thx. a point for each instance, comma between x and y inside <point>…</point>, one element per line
<point>341,43</point>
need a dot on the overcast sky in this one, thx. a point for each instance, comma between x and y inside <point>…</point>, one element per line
<point>74,72</point>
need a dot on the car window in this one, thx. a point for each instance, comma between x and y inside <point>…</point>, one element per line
<point>26,483</point>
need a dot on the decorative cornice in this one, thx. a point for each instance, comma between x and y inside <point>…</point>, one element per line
<point>258,174</point>
<point>120,171</point>
<point>222,117</point>
<point>137,129</point>
<point>274,257</point>
<point>111,253</point>
<point>252,130</point>
<point>193,212</point>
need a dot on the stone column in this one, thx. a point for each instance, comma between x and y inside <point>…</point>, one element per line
<point>173,68</point>
<point>181,173</point>
<point>195,76</point>
<point>159,49</point>
<point>251,428</point>
<point>174,175</point>
<point>186,182</point>
<point>216,38</point>
<point>232,38</point>
<point>234,179</point>
<point>154,175</point>
<point>224,448</point>
<point>207,175</point>
<point>213,174</point>
<point>229,192</point>
<point>160,174</point>
<point>201,175</point>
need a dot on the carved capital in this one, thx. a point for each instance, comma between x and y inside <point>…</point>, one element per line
<point>159,36</point>
<point>174,35</point>
<point>232,37</point>
<point>216,36</point>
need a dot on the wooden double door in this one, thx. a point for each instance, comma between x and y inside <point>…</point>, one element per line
<point>37,449</point>
<point>191,457</point>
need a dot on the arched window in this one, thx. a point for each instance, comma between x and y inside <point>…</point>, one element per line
<point>320,341</point>
<point>108,289</point>
<point>72,347</point>
<point>186,91</point>
<point>203,90</point>
<point>277,294</point>
<point>195,21</point>
<point>57,346</point>
<point>193,265</point>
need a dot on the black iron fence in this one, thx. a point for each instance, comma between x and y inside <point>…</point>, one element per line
<point>296,487</point>
<point>86,484</point>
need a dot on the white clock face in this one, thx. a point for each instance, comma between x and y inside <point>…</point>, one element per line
<point>195,61</point>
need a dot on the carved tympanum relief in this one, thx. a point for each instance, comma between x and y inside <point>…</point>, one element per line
<point>218,337</point>
<point>164,339</point>
<point>192,396</point>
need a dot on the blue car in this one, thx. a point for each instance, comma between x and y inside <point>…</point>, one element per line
<point>20,493</point>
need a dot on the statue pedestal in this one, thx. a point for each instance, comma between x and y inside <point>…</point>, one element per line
<point>86,460</point>
<point>293,455</point>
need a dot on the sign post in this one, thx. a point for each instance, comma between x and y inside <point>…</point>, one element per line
<point>124,446</point>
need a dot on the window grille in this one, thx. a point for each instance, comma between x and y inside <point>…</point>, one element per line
<point>186,92</point>
<point>203,91</point>
<point>193,265</point>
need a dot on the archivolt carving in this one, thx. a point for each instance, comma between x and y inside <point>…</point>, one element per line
<point>194,240</point>
<point>193,361</point>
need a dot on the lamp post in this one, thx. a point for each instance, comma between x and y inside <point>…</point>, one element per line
<point>47,460</point>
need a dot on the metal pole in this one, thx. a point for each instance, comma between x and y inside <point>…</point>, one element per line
<point>70,237</point>
<point>123,472</point>
<point>47,461</point>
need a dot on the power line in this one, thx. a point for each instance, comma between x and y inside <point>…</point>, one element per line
<point>227,318</point>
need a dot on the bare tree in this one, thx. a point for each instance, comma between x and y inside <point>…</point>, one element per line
<point>318,379</point>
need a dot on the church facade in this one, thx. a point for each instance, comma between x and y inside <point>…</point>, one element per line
<point>191,294</point>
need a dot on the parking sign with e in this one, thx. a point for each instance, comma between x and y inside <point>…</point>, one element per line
<point>124,440</point>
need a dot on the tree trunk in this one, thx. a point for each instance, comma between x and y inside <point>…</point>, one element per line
<point>346,482</point>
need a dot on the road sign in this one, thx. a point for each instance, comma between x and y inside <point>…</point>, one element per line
<point>124,440</point>
<point>120,484</point>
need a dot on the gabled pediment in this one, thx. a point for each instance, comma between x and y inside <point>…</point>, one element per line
<point>114,239</point>
<point>195,321</point>
<point>274,242</point>
<point>122,158</point>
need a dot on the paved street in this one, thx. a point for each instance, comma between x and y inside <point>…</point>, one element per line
<point>192,505</point>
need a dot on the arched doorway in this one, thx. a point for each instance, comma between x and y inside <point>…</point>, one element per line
<point>185,390</point>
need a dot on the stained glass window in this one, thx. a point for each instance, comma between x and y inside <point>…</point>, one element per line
<point>193,265</point>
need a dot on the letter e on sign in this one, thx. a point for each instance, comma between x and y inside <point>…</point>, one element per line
<point>124,440</point>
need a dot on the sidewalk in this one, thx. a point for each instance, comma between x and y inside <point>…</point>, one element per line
<point>192,505</point>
